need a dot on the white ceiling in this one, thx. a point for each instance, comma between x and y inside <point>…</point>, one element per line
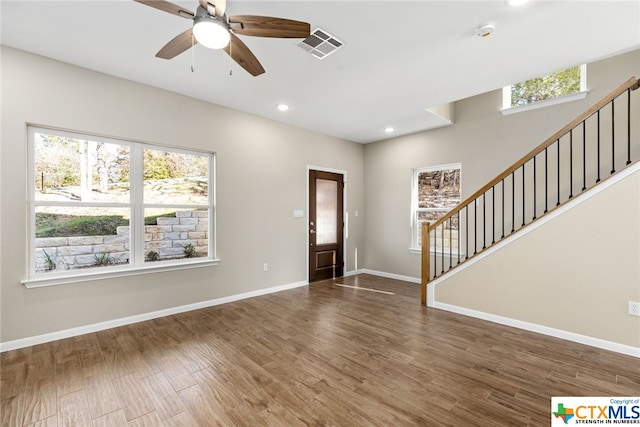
<point>399,58</point>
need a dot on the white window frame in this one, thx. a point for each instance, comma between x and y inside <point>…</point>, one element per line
<point>137,264</point>
<point>415,246</point>
<point>581,94</point>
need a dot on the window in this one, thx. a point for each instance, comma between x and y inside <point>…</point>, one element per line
<point>561,86</point>
<point>101,205</point>
<point>435,191</point>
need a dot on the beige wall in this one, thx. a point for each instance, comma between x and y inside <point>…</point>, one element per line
<point>575,273</point>
<point>261,179</point>
<point>483,140</point>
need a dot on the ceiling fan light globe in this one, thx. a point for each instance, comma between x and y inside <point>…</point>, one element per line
<point>211,32</point>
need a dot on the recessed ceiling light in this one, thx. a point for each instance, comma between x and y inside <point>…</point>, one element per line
<point>283,107</point>
<point>516,2</point>
<point>389,129</point>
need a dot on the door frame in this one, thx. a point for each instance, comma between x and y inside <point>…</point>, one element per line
<point>345,214</point>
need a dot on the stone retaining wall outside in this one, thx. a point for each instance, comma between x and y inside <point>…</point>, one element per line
<point>168,238</point>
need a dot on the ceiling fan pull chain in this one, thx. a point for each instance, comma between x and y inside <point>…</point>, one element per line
<point>230,63</point>
<point>193,54</point>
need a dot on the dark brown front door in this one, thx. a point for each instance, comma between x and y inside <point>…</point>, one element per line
<point>326,225</point>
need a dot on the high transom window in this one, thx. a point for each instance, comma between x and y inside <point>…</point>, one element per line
<point>561,86</point>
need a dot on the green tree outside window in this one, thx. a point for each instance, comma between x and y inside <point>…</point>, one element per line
<point>551,86</point>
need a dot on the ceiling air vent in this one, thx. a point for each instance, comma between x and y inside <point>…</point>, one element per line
<point>320,44</point>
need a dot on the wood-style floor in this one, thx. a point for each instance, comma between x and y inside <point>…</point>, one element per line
<point>326,355</point>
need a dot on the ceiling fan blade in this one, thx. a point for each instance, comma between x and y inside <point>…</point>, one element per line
<point>165,6</point>
<point>220,6</point>
<point>240,53</point>
<point>266,26</point>
<point>177,45</point>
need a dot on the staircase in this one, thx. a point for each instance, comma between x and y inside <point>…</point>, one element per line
<point>598,144</point>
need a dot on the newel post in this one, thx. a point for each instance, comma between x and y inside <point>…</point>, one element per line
<point>426,268</point>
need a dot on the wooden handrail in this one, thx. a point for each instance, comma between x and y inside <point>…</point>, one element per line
<point>632,84</point>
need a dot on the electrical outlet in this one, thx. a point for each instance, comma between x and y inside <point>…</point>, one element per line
<point>634,308</point>
<point>265,267</point>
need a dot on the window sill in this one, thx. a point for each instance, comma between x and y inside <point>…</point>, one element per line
<point>64,278</point>
<point>545,103</point>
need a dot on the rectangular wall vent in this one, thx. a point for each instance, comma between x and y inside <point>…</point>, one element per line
<point>320,44</point>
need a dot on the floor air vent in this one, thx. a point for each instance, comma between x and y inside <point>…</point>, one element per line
<point>320,44</point>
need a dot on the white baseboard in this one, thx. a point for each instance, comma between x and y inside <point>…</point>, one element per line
<point>545,330</point>
<point>68,333</point>
<point>390,275</point>
<point>558,333</point>
<point>352,273</point>
<point>569,336</point>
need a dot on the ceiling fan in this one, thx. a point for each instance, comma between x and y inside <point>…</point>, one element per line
<point>214,29</point>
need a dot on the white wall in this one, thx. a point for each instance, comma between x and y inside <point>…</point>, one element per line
<point>261,179</point>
